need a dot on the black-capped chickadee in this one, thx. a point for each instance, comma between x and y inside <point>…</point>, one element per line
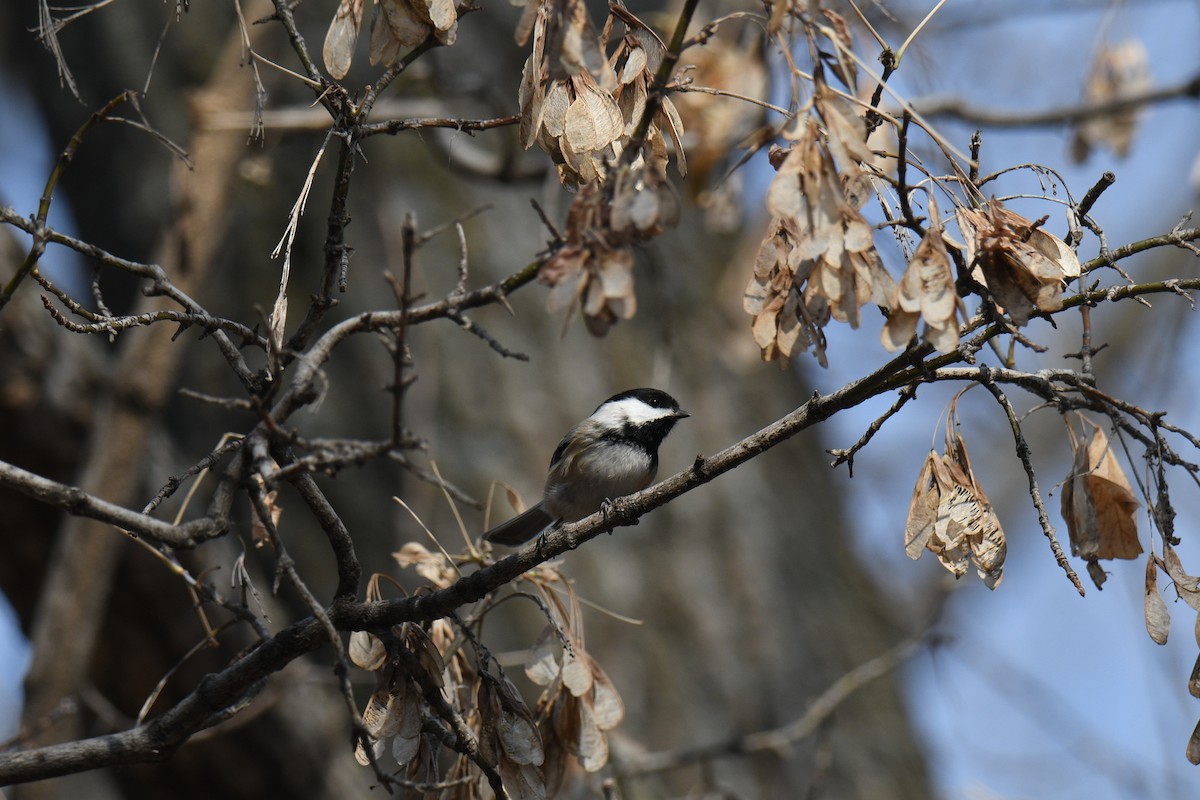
<point>612,453</point>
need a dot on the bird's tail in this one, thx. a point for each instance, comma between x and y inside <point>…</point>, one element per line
<point>520,528</point>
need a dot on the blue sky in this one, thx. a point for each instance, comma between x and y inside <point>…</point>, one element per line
<point>1038,692</point>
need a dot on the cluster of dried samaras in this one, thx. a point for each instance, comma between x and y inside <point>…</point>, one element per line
<point>582,106</point>
<point>583,109</point>
<point>951,517</point>
<point>818,261</point>
<point>427,684</point>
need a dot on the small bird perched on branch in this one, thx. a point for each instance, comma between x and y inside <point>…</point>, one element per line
<point>612,453</point>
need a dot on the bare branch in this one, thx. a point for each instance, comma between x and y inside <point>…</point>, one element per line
<point>394,126</point>
<point>79,503</point>
<point>847,456</point>
<point>39,222</point>
<point>1034,493</point>
<point>957,108</point>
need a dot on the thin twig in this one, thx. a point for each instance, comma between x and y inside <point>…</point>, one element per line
<point>956,108</point>
<point>173,483</point>
<point>394,126</point>
<point>846,456</point>
<point>60,166</point>
<point>1023,454</point>
<point>79,503</point>
<point>475,330</point>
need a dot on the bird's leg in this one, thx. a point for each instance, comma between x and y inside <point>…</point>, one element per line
<point>541,539</point>
<point>610,508</point>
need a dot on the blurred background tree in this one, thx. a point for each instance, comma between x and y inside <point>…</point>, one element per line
<point>751,598</point>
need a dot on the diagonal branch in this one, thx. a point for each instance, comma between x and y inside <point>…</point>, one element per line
<point>1023,454</point>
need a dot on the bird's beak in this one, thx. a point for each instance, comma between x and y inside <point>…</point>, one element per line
<point>680,414</point>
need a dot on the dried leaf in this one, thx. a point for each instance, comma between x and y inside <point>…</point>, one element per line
<point>591,746</point>
<point>525,24</point>
<point>900,329</point>
<point>508,731</point>
<point>928,282</point>
<point>843,66</point>
<point>1076,511</point>
<point>360,753</point>
<point>522,781</point>
<point>531,96</point>
<point>1116,506</point>
<point>554,768</point>
<point>593,120</point>
<point>487,706</point>
<point>616,278</point>
<point>606,702</point>
<point>442,15</point>
<point>514,498</point>
<point>520,739</point>
<point>950,515</point>
<point>818,244</point>
<point>1058,255</point>
<point>928,287</point>
<point>406,707</point>
<point>922,509</point>
<point>541,664</point>
<point>433,567</point>
<point>394,24</point>
<point>572,45</point>
<point>566,274</point>
<point>674,126</point>
<point>1023,267</point>
<point>634,67</point>
<point>367,651</point>
<point>1098,502</point>
<point>1193,746</point>
<point>377,717</point>
<point>405,749</point>
<point>564,720</point>
<point>1187,586</point>
<point>416,640</point>
<point>338,51</point>
<point>1158,618</point>
<point>575,673</point>
<point>632,102</point>
<point>944,340</point>
<point>765,326</point>
<point>847,132</point>
<point>554,109</point>
<point>1118,70</point>
<point>1194,679</point>
<point>786,196</point>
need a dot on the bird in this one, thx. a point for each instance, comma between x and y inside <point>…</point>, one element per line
<point>612,453</point>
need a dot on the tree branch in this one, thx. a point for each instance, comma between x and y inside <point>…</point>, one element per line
<point>79,503</point>
<point>957,108</point>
